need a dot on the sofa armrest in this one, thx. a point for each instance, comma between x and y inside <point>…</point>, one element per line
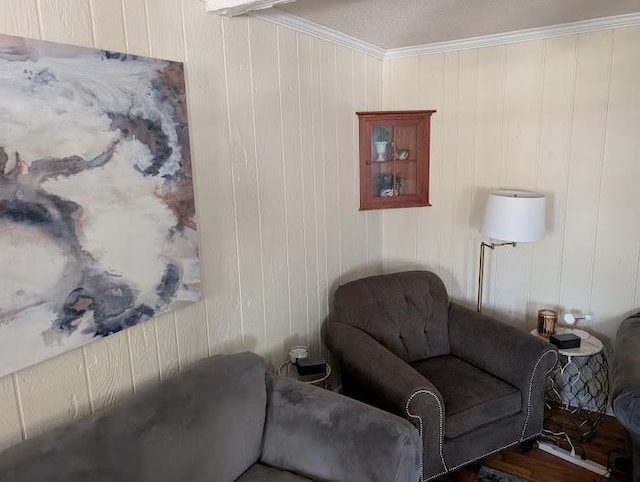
<point>402,389</point>
<point>324,435</point>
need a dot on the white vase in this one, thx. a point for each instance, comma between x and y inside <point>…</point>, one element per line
<point>381,150</point>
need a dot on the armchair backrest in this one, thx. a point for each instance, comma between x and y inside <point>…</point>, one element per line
<point>405,312</point>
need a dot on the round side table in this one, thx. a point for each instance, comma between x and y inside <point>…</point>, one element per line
<point>289,370</point>
<point>578,386</point>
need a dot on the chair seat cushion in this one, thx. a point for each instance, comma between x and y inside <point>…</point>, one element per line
<point>265,473</point>
<point>472,397</point>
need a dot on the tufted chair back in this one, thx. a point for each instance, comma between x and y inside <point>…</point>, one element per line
<point>405,312</point>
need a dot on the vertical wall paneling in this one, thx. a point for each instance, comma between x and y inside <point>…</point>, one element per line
<point>521,125</point>
<point>386,85</point>
<point>308,123</point>
<point>373,89</point>
<point>404,76</point>
<point>66,21</point>
<point>242,151</point>
<point>331,181</point>
<point>399,225</point>
<point>209,133</point>
<point>462,287</point>
<point>352,221</point>
<point>134,14</point>
<point>143,349</point>
<point>618,229</point>
<point>448,167</point>
<point>319,166</point>
<point>108,25</point>
<point>295,202</point>
<point>54,392</point>
<point>192,334</point>
<point>488,153</point>
<point>272,182</point>
<point>108,370</point>
<point>585,168</point>
<point>20,17</point>
<point>521,121</point>
<point>430,97</point>
<point>164,24</point>
<point>167,344</point>
<point>10,429</point>
<point>556,117</point>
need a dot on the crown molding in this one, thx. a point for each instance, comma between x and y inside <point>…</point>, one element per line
<point>571,28</point>
<point>299,24</point>
<point>232,8</point>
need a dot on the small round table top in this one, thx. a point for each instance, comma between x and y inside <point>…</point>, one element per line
<point>289,370</point>
<point>589,345</point>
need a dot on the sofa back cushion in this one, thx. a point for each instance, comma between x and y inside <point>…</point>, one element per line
<point>203,424</point>
<point>406,312</point>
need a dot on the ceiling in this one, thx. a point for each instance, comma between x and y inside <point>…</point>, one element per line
<point>395,24</point>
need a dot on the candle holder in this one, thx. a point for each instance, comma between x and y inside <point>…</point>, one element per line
<point>547,322</point>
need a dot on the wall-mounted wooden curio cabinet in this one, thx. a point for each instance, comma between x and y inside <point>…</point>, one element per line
<point>394,159</point>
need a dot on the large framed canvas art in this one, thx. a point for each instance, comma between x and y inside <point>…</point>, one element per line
<point>97,215</point>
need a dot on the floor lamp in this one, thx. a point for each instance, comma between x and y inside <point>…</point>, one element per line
<point>510,217</point>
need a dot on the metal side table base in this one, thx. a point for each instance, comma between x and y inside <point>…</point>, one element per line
<point>576,401</point>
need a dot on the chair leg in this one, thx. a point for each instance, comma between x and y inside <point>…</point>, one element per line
<point>527,445</point>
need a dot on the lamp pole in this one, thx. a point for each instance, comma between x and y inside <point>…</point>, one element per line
<point>491,246</point>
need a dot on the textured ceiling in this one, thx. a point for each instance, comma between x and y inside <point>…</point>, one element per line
<point>402,23</point>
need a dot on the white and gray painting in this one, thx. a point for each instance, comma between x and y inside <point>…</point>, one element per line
<point>97,217</point>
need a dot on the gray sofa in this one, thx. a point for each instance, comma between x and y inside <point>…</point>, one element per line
<point>224,420</point>
<point>471,384</point>
<point>625,384</point>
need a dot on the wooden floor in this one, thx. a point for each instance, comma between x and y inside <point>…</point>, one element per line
<point>536,465</point>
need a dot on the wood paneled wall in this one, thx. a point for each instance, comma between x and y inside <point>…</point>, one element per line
<point>560,116</point>
<point>273,138</point>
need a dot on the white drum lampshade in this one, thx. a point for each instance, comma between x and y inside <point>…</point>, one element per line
<point>514,216</point>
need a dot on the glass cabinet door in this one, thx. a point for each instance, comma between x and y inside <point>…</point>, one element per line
<point>394,150</point>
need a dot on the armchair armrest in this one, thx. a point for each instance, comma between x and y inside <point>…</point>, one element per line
<point>625,376</point>
<point>402,389</point>
<point>517,357</point>
<point>498,348</point>
<point>324,435</point>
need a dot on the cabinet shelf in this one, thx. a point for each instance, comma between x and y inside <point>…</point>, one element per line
<point>394,159</point>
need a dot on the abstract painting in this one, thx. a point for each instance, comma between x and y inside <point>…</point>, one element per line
<point>97,214</point>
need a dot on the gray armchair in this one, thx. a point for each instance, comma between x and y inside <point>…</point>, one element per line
<point>471,384</point>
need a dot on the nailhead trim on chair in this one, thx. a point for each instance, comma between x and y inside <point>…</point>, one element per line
<point>533,374</point>
<point>522,439</point>
<point>441,435</point>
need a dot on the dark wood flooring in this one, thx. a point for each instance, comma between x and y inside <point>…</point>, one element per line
<point>536,465</point>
